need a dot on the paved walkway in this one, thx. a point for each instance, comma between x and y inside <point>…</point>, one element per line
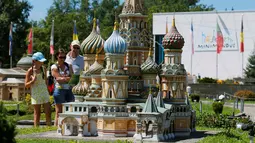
<point>195,137</point>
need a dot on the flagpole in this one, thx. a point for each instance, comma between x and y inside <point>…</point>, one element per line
<point>10,46</point>
<point>242,66</point>
<point>217,65</point>
<point>32,39</point>
<point>192,48</point>
<point>52,56</point>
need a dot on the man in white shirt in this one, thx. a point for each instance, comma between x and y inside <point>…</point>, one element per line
<point>74,58</point>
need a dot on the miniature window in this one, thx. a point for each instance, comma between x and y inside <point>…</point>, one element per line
<point>75,109</point>
<point>93,109</point>
<point>80,109</point>
<point>67,108</point>
<point>68,127</point>
<point>133,109</point>
<point>84,109</point>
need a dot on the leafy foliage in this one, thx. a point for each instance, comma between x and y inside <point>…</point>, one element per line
<point>195,97</point>
<point>250,68</point>
<point>207,80</point>
<point>15,11</point>
<point>218,107</point>
<point>7,127</point>
<point>245,94</point>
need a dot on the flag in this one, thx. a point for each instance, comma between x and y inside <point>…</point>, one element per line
<point>223,24</point>
<point>241,37</point>
<point>219,39</point>
<point>10,40</point>
<point>166,25</point>
<point>52,39</point>
<point>75,34</point>
<point>30,42</point>
<point>192,37</point>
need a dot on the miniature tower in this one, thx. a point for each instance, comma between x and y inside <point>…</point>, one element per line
<point>95,89</point>
<point>173,72</point>
<point>114,78</point>
<point>149,123</point>
<point>94,42</point>
<point>133,28</point>
<point>149,72</point>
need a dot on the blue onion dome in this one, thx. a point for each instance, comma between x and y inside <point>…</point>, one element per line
<point>115,44</point>
<point>150,66</point>
<point>79,89</point>
<point>95,68</point>
<point>93,42</point>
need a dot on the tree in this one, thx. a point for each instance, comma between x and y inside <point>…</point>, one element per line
<point>7,127</point>
<point>250,68</point>
<point>15,11</point>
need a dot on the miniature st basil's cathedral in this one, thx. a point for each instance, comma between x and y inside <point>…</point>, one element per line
<point>123,92</point>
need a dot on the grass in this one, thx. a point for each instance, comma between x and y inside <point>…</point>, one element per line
<point>208,108</point>
<point>234,136</point>
<point>24,131</point>
<point>202,128</point>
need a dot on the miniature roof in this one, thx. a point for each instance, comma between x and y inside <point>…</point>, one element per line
<point>150,105</point>
<point>13,80</point>
<point>159,100</point>
<point>115,44</point>
<point>95,68</point>
<point>149,66</point>
<point>13,71</point>
<point>25,61</point>
<point>79,89</point>
<point>93,42</point>
<point>132,6</point>
<point>173,39</point>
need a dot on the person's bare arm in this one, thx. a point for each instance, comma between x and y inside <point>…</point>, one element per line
<point>30,78</point>
<point>58,77</point>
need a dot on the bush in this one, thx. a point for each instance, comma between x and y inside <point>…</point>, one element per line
<point>7,128</point>
<point>245,94</point>
<point>195,97</point>
<point>217,107</point>
<point>207,80</point>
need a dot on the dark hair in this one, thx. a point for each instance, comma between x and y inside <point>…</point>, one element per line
<point>60,50</point>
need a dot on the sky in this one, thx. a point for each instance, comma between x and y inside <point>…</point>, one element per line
<point>40,7</point>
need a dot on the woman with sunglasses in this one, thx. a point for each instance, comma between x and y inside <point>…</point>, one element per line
<point>61,72</point>
<point>36,80</point>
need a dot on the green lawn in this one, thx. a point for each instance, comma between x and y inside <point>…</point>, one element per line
<point>208,108</point>
<point>235,136</point>
<point>23,131</point>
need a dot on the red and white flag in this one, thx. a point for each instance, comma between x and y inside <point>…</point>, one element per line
<point>219,39</point>
<point>52,39</point>
<point>30,42</point>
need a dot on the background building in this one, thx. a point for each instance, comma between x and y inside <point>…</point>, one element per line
<point>204,30</point>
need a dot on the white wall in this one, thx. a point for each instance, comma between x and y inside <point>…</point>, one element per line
<point>204,60</point>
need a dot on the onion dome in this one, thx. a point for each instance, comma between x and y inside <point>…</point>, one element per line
<point>25,62</point>
<point>93,42</point>
<point>115,44</point>
<point>79,89</point>
<point>149,66</point>
<point>173,39</point>
<point>95,68</point>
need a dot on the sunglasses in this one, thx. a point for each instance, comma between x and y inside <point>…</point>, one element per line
<point>76,47</point>
<point>62,57</point>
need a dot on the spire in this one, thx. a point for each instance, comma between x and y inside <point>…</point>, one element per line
<point>150,105</point>
<point>173,22</point>
<point>94,21</point>
<point>166,25</point>
<point>159,99</point>
<point>116,24</point>
<point>149,55</point>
